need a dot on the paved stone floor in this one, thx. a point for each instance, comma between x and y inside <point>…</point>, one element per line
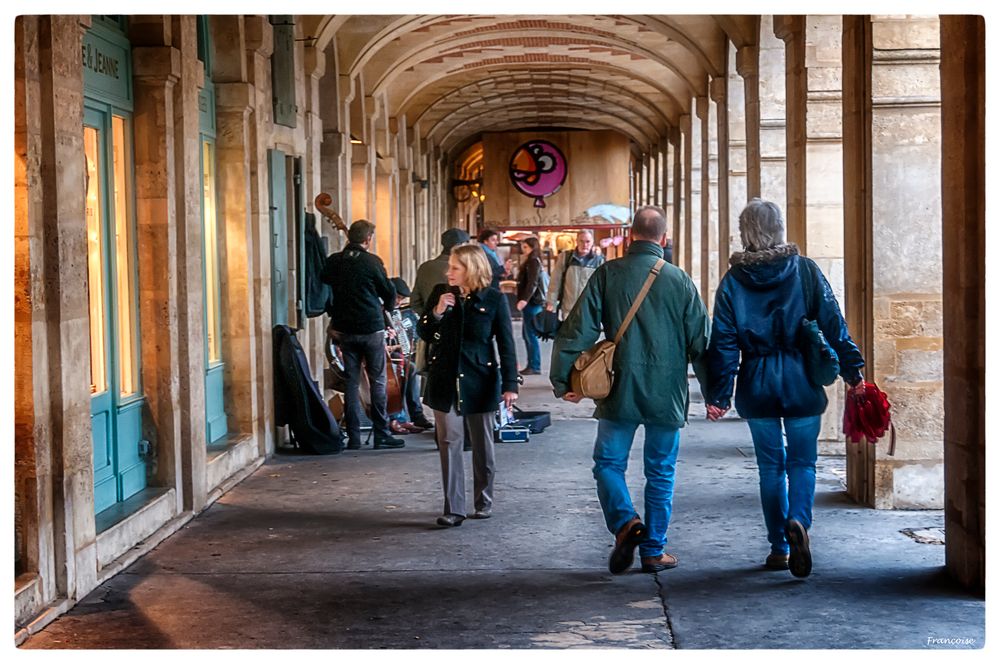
<point>342,552</point>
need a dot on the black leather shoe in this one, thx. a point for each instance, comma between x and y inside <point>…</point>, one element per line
<point>799,558</point>
<point>389,443</point>
<point>423,423</point>
<point>354,444</point>
<point>450,520</point>
<point>484,513</point>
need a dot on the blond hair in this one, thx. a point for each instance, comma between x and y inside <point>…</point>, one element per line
<point>478,273</point>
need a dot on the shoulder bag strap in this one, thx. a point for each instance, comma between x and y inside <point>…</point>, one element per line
<point>653,273</point>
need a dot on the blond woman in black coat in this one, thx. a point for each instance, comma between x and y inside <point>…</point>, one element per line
<point>466,323</point>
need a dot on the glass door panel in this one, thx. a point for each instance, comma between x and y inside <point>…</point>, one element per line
<point>124,260</point>
<point>214,323</point>
<point>95,262</point>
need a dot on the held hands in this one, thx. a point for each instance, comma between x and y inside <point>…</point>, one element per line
<point>447,300</point>
<point>550,307</point>
<point>715,413</point>
<point>521,304</point>
<point>572,397</point>
<point>508,399</point>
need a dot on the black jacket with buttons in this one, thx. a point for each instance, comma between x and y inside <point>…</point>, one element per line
<point>462,367</point>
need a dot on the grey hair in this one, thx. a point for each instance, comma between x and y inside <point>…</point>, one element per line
<point>585,231</point>
<point>761,225</point>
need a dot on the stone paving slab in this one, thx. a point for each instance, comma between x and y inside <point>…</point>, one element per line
<point>342,552</point>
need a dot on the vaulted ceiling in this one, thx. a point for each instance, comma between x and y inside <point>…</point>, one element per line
<point>454,77</point>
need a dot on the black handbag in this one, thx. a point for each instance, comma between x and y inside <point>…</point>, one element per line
<point>821,362</point>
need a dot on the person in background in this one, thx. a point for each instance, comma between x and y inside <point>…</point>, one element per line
<point>650,385</point>
<point>572,271</point>
<point>432,272</point>
<point>759,307</point>
<point>362,294</point>
<point>465,379</point>
<point>489,240</point>
<point>530,297</point>
<point>414,411</point>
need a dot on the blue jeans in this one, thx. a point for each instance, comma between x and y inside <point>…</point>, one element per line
<point>530,335</point>
<point>787,475</point>
<point>659,456</point>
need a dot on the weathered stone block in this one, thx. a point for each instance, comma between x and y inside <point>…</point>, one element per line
<point>905,32</point>
<point>920,365</point>
<point>918,487</point>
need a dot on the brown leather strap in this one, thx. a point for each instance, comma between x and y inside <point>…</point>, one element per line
<point>653,272</point>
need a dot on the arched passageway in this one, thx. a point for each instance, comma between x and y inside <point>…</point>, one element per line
<point>867,130</point>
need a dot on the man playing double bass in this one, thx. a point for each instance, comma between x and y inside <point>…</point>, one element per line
<point>361,294</point>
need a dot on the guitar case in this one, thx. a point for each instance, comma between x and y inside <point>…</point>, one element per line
<point>298,401</point>
<point>535,421</point>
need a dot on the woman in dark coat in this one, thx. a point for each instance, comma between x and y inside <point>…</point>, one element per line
<point>759,307</point>
<point>530,300</point>
<point>465,380</point>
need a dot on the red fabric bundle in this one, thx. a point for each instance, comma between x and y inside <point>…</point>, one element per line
<point>866,415</point>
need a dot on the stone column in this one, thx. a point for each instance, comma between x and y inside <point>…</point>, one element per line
<point>704,241</point>
<point>239,265</point>
<point>719,90</point>
<point>892,152</point>
<point>259,46</point>
<point>792,31</point>
<point>157,69</point>
<point>51,253</point>
<point>772,116</point>
<point>676,191</point>
<point>738,162</point>
<point>963,116</point>
<point>748,66</point>
<point>684,235</point>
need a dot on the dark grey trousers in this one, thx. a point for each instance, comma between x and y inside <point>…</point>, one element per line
<point>370,349</point>
<point>450,428</point>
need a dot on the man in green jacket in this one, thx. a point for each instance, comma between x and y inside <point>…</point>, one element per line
<point>650,385</point>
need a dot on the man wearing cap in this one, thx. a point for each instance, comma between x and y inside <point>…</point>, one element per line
<point>431,273</point>
<point>361,296</point>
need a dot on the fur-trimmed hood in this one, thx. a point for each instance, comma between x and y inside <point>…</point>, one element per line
<point>765,269</point>
<point>765,256</point>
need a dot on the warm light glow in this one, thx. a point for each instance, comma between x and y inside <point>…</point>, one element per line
<point>212,310</point>
<point>95,263</point>
<point>356,141</point>
<point>123,258</point>
<point>482,197</point>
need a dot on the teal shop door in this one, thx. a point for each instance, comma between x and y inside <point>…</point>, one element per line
<point>279,237</point>
<point>116,392</point>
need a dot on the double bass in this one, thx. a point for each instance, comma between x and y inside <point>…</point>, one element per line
<point>395,371</point>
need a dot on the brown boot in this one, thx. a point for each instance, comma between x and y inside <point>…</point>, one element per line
<point>776,561</point>
<point>658,563</point>
<point>627,538</point>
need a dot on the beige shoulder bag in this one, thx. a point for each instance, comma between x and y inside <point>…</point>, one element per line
<point>592,374</point>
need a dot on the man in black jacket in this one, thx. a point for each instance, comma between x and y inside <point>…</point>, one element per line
<point>361,295</point>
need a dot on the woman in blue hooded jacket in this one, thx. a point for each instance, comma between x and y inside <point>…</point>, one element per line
<point>759,307</point>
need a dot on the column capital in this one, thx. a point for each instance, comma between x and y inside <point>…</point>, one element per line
<point>701,107</point>
<point>748,61</point>
<point>788,27</point>
<point>718,89</point>
<point>259,35</point>
<point>152,64</point>
<point>314,62</point>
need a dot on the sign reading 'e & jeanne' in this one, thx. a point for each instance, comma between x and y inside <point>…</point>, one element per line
<point>107,66</point>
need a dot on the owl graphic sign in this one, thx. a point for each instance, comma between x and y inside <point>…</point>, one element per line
<point>537,170</point>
